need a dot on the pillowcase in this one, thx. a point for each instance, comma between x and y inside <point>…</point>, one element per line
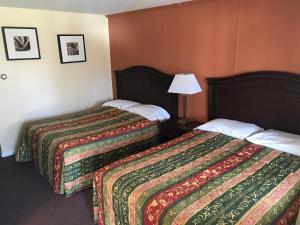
<point>231,128</point>
<point>278,140</point>
<point>151,112</point>
<point>120,103</point>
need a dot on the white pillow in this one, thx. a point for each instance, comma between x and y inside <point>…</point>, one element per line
<point>278,140</point>
<point>231,128</point>
<point>151,112</point>
<point>120,103</point>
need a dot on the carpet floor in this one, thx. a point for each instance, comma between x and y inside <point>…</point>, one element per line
<point>26,198</point>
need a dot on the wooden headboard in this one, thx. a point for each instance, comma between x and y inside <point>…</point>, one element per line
<point>270,99</point>
<point>147,86</point>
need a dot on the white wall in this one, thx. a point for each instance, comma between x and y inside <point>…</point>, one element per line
<point>42,88</point>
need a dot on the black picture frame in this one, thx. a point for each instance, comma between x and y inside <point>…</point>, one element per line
<point>71,48</point>
<point>15,48</point>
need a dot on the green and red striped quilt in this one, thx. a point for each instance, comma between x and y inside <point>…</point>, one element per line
<point>68,149</point>
<point>199,178</point>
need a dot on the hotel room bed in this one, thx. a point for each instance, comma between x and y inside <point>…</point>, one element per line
<point>67,149</point>
<point>211,178</point>
<point>200,178</point>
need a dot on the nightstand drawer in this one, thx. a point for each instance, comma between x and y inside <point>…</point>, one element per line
<point>172,129</point>
<point>171,132</point>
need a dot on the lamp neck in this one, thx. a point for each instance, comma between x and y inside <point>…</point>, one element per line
<point>184,104</point>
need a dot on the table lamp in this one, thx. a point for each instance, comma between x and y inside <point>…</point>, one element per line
<point>184,84</point>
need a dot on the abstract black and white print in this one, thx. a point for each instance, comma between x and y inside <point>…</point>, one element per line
<point>22,43</point>
<point>72,48</point>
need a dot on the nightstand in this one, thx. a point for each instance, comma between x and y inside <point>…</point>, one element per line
<point>172,129</point>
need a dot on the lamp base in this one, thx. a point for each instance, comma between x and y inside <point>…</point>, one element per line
<point>182,121</point>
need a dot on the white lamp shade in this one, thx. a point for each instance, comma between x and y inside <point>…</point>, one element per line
<point>185,84</point>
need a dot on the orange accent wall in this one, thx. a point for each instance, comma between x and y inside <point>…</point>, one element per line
<point>211,38</point>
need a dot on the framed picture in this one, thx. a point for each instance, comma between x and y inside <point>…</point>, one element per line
<point>71,48</point>
<point>21,43</point>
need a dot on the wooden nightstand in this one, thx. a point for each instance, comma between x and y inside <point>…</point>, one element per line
<point>172,129</point>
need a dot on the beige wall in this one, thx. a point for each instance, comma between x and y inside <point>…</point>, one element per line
<point>41,88</point>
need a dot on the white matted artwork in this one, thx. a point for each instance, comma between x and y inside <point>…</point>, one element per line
<point>21,43</point>
<point>71,48</point>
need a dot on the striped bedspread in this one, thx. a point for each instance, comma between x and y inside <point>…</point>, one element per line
<point>200,178</point>
<point>68,149</point>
